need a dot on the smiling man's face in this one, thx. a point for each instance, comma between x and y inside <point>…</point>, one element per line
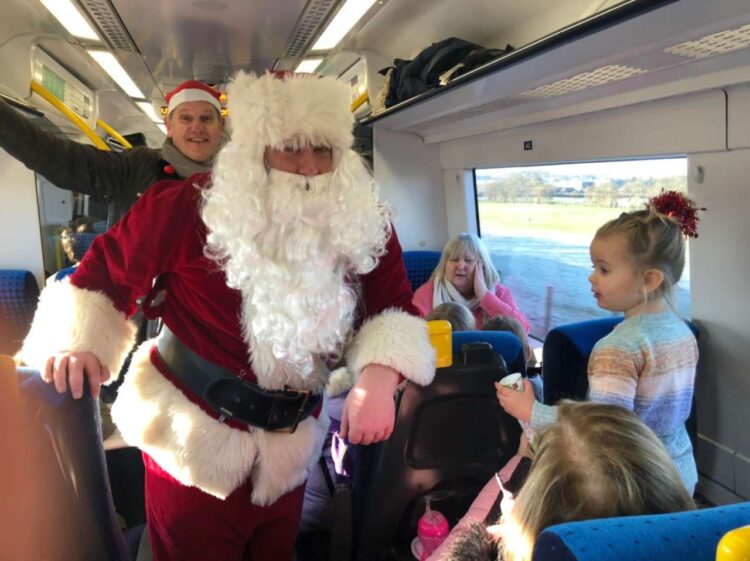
<point>195,128</point>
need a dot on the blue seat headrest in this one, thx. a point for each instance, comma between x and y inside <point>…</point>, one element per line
<point>504,343</point>
<point>420,265</point>
<point>687,536</point>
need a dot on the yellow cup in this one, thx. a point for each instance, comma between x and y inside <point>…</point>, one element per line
<point>440,337</point>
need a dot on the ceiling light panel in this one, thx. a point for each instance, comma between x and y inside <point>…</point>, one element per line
<point>148,109</point>
<point>69,16</point>
<point>349,14</point>
<point>110,64</point>
<point>308,65</point>
<point>312,18</point>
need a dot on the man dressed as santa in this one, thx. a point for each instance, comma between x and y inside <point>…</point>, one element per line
<point>267,273</point>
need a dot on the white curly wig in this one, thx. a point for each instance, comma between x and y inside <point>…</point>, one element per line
<point>292,244</point>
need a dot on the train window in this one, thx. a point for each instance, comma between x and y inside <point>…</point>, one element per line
<point>70,221</point>
<point>537,223</point>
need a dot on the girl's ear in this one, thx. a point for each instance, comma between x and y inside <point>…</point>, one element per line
<point>653,279</point>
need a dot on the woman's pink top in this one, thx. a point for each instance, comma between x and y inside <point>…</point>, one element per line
<point>499,302</point>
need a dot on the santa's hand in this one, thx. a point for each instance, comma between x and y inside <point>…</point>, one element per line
<point>369,410</point>
<point>515,403</point>
<point>71,368</point>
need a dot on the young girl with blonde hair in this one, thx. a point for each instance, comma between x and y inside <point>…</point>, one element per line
<point>596,461</point>
<point>458,315</point>
<point>648,363</point>
<point>465,275</point>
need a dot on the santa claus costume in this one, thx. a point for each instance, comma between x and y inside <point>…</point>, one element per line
<point>264,279</point>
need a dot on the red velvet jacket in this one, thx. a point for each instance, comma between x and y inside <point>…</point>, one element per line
<point>163,236</point>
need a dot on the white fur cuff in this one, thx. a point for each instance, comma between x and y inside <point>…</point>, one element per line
<point>74,319</point>
<point>339,381</point>
<point>396,339</point>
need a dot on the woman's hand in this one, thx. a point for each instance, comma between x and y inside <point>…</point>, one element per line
<point>480,287</point>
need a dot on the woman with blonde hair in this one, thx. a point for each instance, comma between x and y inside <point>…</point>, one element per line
<point>465,275</point>
<point>597,461</point>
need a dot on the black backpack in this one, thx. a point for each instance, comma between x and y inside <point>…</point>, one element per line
<point>412,77</point>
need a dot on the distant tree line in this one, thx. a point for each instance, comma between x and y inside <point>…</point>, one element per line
<point>537,187</point>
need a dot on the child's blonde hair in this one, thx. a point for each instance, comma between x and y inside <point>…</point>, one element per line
<point>458,315</point>
<point>507,323</point>
<point>597,461</point>
<point>461,245</point>
<point>654,241</point>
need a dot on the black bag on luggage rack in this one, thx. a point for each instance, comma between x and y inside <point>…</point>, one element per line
<point>449,438</point>
<point>412,77</point>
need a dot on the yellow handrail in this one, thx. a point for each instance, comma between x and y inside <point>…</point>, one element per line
<point>359,101</point>
<point>75,119</point>
<point>113,133</point>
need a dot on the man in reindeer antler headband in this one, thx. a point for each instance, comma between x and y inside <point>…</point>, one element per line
<point>265,270</point>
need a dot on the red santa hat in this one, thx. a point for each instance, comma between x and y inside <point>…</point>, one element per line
<point>192,90</point>
<point>276,109</point>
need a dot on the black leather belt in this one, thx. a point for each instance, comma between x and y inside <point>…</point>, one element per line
<point>231,397</point>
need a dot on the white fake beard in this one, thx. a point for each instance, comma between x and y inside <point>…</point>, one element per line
<point>288,243</point>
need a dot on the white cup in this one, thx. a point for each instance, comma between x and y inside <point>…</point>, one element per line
<point>513,381</point>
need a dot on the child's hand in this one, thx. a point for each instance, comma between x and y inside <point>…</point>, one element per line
<point>517,404</point>
<point>524,447</point>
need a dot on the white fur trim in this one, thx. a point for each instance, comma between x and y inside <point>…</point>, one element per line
<point>300,106</point>
<point>285,460</point>
<point>192,94</point>
<point>340,381</point>
<point>74,319</point>
<point>201,452</point>
<point>396,339</point>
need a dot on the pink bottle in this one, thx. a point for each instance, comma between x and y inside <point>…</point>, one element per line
<point>432,530</point>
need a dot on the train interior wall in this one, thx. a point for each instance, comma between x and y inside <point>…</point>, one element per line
<point>712,128</point>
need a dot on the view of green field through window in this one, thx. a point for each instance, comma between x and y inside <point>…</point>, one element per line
<point>538,222</point>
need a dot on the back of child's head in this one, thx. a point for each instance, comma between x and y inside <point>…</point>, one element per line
<point>597,461</point>
<point>506,323</point>
<point>458,315</point>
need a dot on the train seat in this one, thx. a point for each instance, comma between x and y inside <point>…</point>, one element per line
<point>63,504</point>
<point>419,266</point>
<point>81,243</point>
<point>449,438</point>
<point>682,536</point>
<point>565,357</point>
<point>19,293</point>
<point>504,343</point>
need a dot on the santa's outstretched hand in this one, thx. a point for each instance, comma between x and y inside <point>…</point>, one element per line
<point>369,410</point>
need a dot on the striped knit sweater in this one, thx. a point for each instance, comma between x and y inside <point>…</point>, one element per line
<point>647,365</point>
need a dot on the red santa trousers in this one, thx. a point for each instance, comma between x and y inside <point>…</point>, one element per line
<point>186,524</point>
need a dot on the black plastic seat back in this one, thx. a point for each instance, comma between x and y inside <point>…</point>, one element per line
<point>449,438</point>
<point>64,495</point>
